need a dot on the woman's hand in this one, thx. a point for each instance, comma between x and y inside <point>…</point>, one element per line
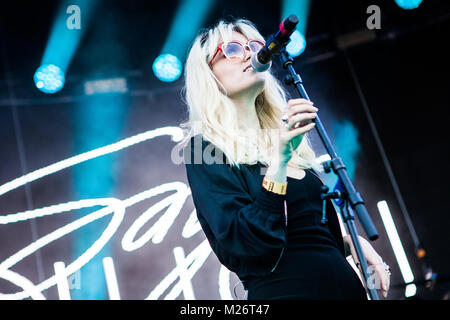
<point>373,259</point>
<point>298,113</point>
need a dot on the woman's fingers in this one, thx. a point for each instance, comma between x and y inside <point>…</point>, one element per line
<point>291,124</point>
<point>299,118</point>
<point>388,283</point>
<point>301,130</point>
<point>292,110</point>
<point>385,282</point>
<point>384,279</point>
<point>292,102</point>
<point>300,110</point>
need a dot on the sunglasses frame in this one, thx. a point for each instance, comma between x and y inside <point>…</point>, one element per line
<point>220,47</point>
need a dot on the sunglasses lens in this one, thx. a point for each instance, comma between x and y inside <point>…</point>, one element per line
<point>233,50</point>
<point>255,46</point>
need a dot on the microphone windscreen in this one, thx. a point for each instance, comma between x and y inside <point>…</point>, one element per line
<point>258,66</point>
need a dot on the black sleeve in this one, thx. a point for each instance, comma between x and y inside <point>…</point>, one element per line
<point>241,225</point>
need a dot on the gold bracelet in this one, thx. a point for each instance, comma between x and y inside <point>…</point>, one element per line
<point>276,187</point>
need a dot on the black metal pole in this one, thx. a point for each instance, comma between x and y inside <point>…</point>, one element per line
<point>337,165</point>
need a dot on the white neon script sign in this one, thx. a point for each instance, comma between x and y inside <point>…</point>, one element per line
<point>186,267</point>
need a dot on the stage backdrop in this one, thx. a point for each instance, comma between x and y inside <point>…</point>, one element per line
<point>92,181</point>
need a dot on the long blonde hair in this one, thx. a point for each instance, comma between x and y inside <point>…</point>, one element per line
<point>213,115</point>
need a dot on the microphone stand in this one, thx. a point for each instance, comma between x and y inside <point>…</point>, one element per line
<point>349,195</point>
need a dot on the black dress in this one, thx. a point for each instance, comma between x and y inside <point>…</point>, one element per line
<point>311,267</point>
<point>246,227</point>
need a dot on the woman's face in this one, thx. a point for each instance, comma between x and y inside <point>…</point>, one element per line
<point>232,74</point>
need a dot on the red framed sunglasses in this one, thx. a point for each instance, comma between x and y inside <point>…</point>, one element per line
<point>235,50</point>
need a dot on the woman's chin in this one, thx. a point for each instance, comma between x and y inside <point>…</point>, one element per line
<point>255,86</point>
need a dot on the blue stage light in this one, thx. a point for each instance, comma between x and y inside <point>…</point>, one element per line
<point>297,44</point>
<point>49,78</point>
<point>408,4</point>
<point>167,67</point>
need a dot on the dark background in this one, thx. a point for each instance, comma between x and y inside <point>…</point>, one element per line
<point>402,74</point>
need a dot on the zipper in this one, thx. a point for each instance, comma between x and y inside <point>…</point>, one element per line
<point>282,250</point>
<point>279,258</point>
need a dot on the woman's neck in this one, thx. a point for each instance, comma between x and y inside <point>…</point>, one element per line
<point>246,113</point>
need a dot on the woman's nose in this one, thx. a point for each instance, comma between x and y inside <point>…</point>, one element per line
<point>248,53</point>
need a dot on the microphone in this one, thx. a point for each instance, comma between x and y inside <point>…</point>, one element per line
<point>262,61</point>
